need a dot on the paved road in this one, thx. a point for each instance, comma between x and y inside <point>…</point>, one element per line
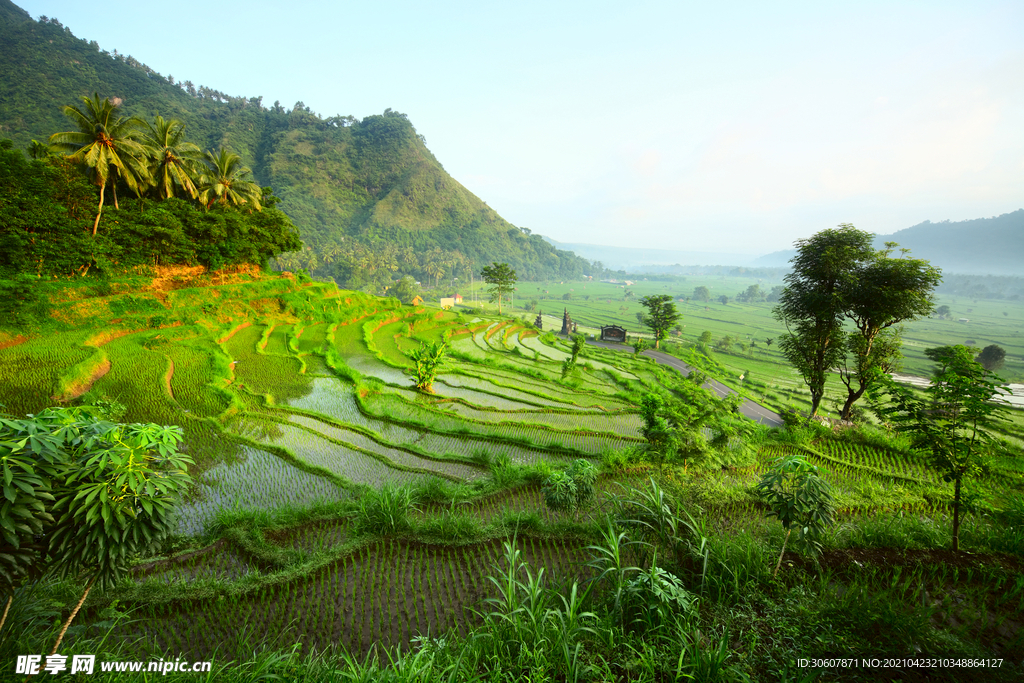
<point>748,408</point>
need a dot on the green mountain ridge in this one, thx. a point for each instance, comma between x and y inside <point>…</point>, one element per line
<point>351,186</point>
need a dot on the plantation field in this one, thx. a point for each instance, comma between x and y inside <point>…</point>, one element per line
<point>338,509</point>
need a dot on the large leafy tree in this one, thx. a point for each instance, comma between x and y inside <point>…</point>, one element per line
<point>839,278</point>
<point>661,315</point>
<point>502,280</point>
<point>886,292</point>
<point>175,163</point>
<point>82,495</point>
<point>105,143</point>
<point>951,422</point>
<point>227,181</point>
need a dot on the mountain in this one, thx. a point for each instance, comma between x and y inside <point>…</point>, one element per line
<point>635,260</point>
<point>982,246</point>
<point>355,188</point>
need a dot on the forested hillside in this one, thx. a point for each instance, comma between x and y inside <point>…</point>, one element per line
<point>369,198</point>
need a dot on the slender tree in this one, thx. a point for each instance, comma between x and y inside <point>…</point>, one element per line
<point>227,181</point>
<point>502,280</point>
<point>106,144</point>
<point>951,423</point>
<point>660,317</point>
<point>174,163</point>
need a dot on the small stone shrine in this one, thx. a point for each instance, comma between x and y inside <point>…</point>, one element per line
<point>567,326</point>
<point>613,333</point>
<point>539,323</point>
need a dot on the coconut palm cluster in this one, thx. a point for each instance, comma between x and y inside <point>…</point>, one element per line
<point>149,158</point>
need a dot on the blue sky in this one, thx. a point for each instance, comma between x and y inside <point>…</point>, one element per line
<point>728,127</point>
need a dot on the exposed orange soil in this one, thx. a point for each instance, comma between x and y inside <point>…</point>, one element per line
<point>78,389</point>
<point>168,377</point>
<point>20,339</point>
<point>233,332</point>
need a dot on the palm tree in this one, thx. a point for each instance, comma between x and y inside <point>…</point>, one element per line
<point>174,162</point>
<point>105,143</point>
<point>226,181</point>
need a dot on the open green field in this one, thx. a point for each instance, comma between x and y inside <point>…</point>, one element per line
<point>339,515</point>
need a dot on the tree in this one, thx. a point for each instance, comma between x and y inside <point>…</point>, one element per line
<point>991,357</point>
<point>105,144</point>
<point>502,281</point>
<point>885,293</point>
<point>838,277</point>
<point>428,360</point>
<point>800,499</point>
<point>943,311</point>
<point>661,315</point>
<point>226,181</point>
<point>724,300</point>
<point>578,342</point>
<point>85,495</point>
<point>406,290</point>
<point>951,423</point>
<point>702,294</point>
<point>175,163</point>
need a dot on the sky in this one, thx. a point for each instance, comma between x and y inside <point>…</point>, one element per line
<point>732,127</point>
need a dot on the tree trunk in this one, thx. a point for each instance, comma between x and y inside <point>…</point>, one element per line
<point>74,612</point>
<point>815,402</point>
<point>99,211</point>
<point>851,398</point>
<point>7,608</point>
<point>956,515</point>
<point>779,563</point>
<point>114,188</point>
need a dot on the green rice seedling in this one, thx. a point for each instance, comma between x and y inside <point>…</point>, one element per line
<point>260,373</point>
<point>397,456</point>
<point>347,462</point>
<point>277,340</point>
<point>312,338</point>
<point>384,512</point>
<point>256,480</point>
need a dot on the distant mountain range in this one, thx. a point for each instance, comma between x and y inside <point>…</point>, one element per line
<point>983,246</point>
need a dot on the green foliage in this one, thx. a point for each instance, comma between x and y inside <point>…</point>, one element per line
<point>992,357</point>
<point>800,499</point>
<point>662,314</point>
<point>569,364</point>
<point>502,280</point>
<point>429,360</point>
<point>106,144</point>
<point>572,489</point>
<point>952,423</point>
<point>838,277</point>
<point>384,512</point>
<point>640,345</point>
<point>85,495</point>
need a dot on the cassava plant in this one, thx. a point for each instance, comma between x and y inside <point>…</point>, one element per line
<point>800,499</point>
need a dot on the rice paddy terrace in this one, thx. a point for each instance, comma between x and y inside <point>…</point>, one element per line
<point>297,401</point>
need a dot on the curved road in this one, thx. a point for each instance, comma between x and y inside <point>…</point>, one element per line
<point>748,408</point>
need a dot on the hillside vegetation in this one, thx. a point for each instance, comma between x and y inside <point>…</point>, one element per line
<point>351,186</point>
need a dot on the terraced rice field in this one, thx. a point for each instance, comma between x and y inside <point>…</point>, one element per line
<point>380,596</point>
<point>255,480</point>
